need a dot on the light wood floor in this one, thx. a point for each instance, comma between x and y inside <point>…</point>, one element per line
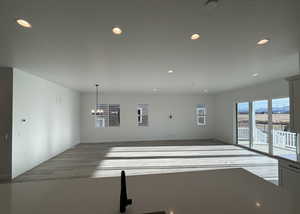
<point>139,158</point>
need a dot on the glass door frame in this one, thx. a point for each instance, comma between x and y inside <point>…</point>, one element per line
<point>251,125</point>
<point>270,126</point>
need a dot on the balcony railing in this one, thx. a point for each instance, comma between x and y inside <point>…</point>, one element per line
<point>281,139</point>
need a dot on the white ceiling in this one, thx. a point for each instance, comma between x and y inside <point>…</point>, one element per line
<point>71,43</point>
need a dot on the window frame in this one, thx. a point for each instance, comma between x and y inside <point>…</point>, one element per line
<point>142,110</point>
<point>140,115</point>
<point>107,115</point>
<point>270,123</point>
<point>202,114</point>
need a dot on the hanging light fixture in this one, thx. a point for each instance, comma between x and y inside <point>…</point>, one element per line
<point>97,111</point>
<point>211,3</point>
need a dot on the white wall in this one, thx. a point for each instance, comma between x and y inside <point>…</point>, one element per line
<point>182,126</point>
<point>225,108</point>
<point>52,121</point>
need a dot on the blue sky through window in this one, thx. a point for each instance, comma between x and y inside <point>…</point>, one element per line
<point>280,105</point>
<point>243,107</point>
<point>282,102</point>
<point>260,106</point>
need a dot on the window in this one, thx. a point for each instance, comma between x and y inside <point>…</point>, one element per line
<point>100,122</point>
<point>201,115</point>
<point>102,119</point>
<point>110,116</point>
<point>142,114</point>
<point>284,142</point>
<point>263,125</point>
<point>243,123</point>
<point>114,115</point>
<point>260,127</point>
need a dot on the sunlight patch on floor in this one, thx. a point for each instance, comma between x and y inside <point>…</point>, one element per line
<point>171,159</point>
<point>142,158</point>
<point>173,148</point>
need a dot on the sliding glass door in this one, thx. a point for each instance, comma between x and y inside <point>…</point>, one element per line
<point>284,142</point>
<point>263,125</point>
<point>260,120</point>
<point>243,123</point>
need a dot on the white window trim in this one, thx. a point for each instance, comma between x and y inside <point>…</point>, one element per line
<point>140,115</point>
<point>204,115</point>
<point>106,116</point>
<point>100,119</point>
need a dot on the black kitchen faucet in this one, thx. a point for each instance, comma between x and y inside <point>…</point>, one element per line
<point>124,201</point>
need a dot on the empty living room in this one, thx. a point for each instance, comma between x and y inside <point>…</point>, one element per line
<point>149,107</point>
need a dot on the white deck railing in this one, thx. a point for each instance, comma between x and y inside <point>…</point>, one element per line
<point>243,133</point>
<point>259,136</point>
<point>284,139</point>
<point>281,139</point>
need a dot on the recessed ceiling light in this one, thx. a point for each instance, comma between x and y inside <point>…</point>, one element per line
<point>117,31</point>
<point>195,36</point>
<point>255,75</point>
<point>23,23</point>
<point>170,71</point>
<point>263,41</point>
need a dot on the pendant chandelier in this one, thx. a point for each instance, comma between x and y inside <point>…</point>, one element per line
<point>97,110</point>
<point>212,3</point>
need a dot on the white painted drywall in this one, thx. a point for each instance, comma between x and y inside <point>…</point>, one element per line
<point>182,126</point>
<point>225,105</point>
<point>52,121</point>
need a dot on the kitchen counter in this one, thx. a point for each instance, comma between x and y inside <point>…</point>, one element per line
<point>213,192</point>
<point>293,159</point>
